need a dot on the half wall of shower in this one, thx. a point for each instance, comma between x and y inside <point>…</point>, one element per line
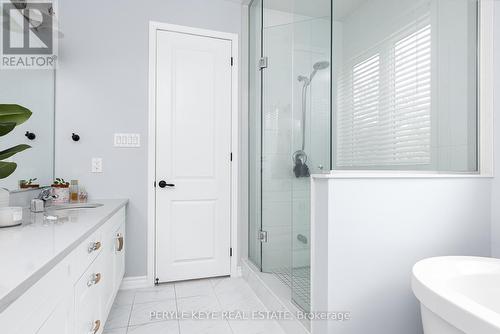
<point>290,133</point>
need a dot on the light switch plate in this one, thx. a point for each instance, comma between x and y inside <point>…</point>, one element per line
<point>127,140</point>
<point>96,165</point>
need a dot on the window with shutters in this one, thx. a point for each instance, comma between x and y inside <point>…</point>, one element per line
<point>406,86</point>
<point>384,105</point>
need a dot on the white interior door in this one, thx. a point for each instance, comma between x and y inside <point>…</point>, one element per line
<point>193,147</point>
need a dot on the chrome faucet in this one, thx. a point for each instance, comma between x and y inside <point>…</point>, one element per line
<point>46,195</point>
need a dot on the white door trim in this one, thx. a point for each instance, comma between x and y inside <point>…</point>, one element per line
<point>151,235</point>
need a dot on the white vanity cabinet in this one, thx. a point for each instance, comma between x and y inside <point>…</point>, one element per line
<point>95,291</point>
<point>45,308</point>
<point>60,320</point>
<point>90,293</point>
<point>76,295</point>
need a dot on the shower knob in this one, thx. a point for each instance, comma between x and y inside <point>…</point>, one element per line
<point>320,167</point>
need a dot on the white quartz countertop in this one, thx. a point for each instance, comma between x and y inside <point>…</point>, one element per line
<point>29,251</point>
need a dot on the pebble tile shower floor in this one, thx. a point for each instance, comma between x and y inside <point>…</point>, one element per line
<point>131,312</point>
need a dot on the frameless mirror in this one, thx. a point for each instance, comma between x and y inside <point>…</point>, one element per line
<point>34,90</point>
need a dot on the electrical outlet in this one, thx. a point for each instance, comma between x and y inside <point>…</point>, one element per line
<point>96,165</point>
<point>127,140</point>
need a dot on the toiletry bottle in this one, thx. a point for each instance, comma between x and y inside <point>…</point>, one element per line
<point>73,191</point>
<point>82,195</point>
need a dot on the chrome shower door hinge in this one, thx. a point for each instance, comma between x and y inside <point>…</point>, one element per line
<point>262,63</point>
<point>262,236</point>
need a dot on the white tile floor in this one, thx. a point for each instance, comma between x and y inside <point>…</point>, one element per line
<point>131,312</point>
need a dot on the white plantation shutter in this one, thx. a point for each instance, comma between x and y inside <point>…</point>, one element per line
<point>384,105</point>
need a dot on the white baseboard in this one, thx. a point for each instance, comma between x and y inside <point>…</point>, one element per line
<point>238,272</point>
<point>135,282</point>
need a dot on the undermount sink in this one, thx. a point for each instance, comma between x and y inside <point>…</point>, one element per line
<point>71,206</point>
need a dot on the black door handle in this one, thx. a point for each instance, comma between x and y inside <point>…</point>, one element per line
<point>164,184</point>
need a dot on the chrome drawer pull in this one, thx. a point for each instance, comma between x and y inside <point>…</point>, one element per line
<point>94,246</point>
<point>119,238</point>
<point>94,280</point>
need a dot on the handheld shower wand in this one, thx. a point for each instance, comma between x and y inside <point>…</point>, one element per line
<point>300,157</point>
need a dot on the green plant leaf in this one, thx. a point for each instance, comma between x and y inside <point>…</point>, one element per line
<point>13,150</point>
<point>6,127</point>
<point>14,113</point>
<point>7,168</point>
<point>11,115</point>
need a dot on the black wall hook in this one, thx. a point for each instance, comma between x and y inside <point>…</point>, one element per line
<point>30,135</point>
<point>75,137</point>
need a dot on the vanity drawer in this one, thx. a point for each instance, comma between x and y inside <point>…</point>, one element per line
<point>95,243</point>
<point>86,253</point>
<point>89,313</point>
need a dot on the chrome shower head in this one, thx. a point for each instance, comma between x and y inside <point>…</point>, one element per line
<point>320,65</point>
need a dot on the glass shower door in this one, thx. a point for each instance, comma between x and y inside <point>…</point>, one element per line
<point>277,112</point>
<point>289,136</point>
<point>295,137</point>
<point>255,133</point>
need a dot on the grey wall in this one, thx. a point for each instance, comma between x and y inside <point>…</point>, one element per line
<point>102,88</point>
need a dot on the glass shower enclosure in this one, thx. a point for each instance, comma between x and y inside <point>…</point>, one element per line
<point>290,133</point>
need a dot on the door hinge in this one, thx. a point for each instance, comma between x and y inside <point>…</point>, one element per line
<point>231,251</point>
<point>157,281</point>
<point>231,156</point>
<point>154,184</point>
<point>262,236</point>
<point>232,61</point>
<point>262,63</point>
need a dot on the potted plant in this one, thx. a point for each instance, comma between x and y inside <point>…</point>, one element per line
<point>28,184</point>
<point>60,190</point>
<point>11,115</point>
<point>60,183</point>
